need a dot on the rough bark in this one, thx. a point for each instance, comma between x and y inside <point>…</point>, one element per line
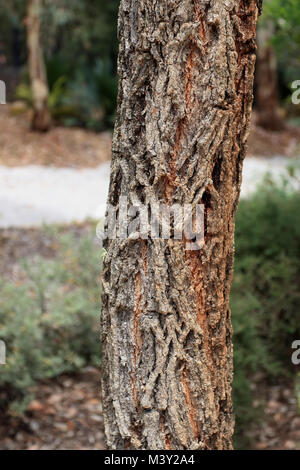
<point>186,89</point>
<point>41,120</point>
<point>267,103</point>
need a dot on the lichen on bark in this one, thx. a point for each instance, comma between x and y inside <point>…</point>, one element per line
<point>185,96</point>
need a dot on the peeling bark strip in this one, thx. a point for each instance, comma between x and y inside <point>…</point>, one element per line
<point>186,77</point>
<point>41,120</point>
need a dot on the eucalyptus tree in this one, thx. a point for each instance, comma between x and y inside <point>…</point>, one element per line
<point>185,97</point>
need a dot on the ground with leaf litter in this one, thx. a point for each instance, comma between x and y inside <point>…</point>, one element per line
<point>65,414</point>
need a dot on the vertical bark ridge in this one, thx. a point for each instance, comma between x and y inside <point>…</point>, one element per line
<point>186,77</point>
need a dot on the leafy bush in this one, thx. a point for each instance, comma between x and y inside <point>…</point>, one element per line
<point>83,97</point>
<point>92,94</point>
<point>50,320</point>
<point>58,92</point>
<point>265,298</point>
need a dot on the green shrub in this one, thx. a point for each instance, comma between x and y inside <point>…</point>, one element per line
<point>84,97</point>
<point>265,297</point>
<point>92,95</point>
<point>50,320</point>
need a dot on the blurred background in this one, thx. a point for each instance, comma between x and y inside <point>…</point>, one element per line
<point>58,60</point>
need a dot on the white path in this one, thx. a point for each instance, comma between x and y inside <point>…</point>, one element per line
<point>33,195</point>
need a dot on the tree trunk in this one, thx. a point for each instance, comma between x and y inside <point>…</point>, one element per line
<point>186,90</point>
<point>267,104</point>
<point>41,120</point>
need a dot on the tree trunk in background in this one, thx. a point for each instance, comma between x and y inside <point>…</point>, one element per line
<point>41,120</point>
<point>186,90</point>
<point>267,103</point>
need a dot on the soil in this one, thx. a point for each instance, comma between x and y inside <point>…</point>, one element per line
<point>66,415</point>
<point>60,147</point>
<point>79,148</point>
<point>280,425</point>
<point>265,143</point>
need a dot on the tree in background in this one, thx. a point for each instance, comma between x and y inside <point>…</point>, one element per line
<point>41,120</point>
<point>267,93</point>
<point>185,97</point>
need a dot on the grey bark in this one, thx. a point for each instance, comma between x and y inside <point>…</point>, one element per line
<point>185,97</point>
<point>41,120</point>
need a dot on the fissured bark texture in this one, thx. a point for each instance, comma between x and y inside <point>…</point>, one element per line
<point>186,78</point>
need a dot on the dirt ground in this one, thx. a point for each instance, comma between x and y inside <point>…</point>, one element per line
<point>78,148</point>
<point>60,147</point>
<point>65,415</point>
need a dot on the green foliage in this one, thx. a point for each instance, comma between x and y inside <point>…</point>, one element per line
<point>80,31</point>
<point>50,321</point>
<point>79,42</point>
<point>92,95</point>
<point>56,69</point>
<point>265,298</point>
<point>24,93</point>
